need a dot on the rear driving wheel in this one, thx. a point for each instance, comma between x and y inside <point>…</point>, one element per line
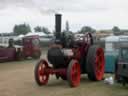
<point>95,63</point>
<point>41,76</point>
<point>73,73</point>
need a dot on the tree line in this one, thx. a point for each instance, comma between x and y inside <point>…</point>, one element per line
<point>25,28</point>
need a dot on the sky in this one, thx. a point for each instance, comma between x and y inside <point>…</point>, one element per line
<point>99,14</point>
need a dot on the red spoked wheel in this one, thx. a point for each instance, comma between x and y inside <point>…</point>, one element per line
<point>95,63</point>
<point>99,63</point>
<point>41,76</point>
<point>73,73</point>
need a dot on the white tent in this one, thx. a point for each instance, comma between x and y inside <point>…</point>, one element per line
<point>112,39</point>
<point>111,42</point>
<point>42,35</point>
<point>21,36</point>
<point>36,33</point>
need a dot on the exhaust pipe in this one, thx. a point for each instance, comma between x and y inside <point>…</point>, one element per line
<point>58,26</point>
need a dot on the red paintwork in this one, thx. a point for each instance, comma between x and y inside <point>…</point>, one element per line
<point>28,47</point>
<point>42,74</point>
<point>52,71</point>
<point>7,54</point>
<point>44,70</point>
<point>99,62</point>
<point>75,74</point>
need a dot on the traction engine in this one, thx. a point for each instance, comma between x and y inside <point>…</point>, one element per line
<point>68,59</point>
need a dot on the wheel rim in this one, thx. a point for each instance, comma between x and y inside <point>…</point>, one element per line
<point>75,74</point>
<point>99,62</point>
<point>42,75</point>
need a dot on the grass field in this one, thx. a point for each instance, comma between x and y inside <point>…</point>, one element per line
<point>17,79</point>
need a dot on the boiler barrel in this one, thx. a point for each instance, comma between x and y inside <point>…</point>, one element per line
<point>56,57</point>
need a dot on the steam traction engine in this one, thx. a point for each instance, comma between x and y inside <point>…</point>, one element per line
<point>70,58</point>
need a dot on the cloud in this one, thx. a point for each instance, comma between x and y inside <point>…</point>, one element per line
<point>95,13</point>
<point>53,6</point>
<point>57,5</point>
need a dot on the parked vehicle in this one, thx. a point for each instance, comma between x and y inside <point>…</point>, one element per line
<point>11,52</point>
<point>31,46</point>
<point>112,46</point>
<point>121,66</point>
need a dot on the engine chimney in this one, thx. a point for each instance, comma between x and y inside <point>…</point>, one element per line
<point>58,26</point>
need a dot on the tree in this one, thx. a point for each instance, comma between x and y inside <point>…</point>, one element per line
<point>38,29</point>
<point>21,29</point>
<point>45,30</point>
<point>116,30</point>
<point>85,29</point>
<point>42,29</point>
<point>67,29</point>
<point>67,26</point>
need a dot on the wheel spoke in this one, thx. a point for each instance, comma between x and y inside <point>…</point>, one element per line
<point>43,77</point>
<point>40,70</point>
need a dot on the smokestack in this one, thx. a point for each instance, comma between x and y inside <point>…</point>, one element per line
<point>58,25</point>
